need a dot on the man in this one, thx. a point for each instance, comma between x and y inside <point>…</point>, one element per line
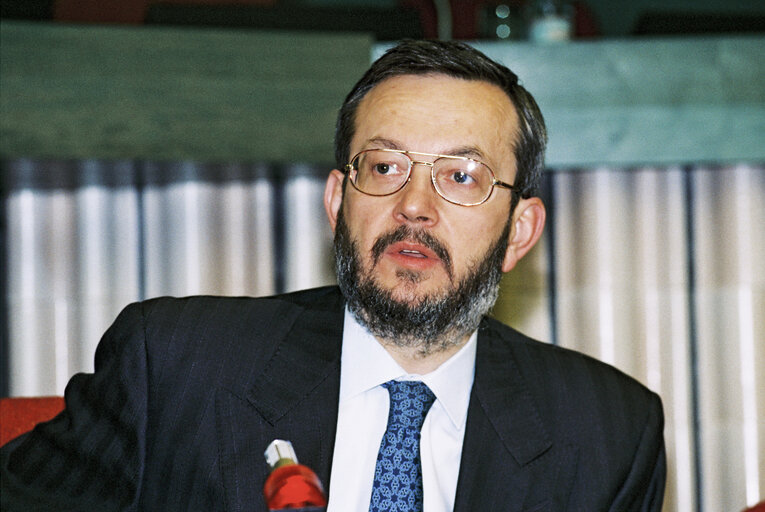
<point>439,151</point>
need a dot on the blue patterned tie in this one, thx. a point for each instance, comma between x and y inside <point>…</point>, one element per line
<point>398,472</point>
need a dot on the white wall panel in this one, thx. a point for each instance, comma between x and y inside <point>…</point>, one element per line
<point>209,238</point>
<point>246,252</point>
<point>107,262</point>
<point>72,265</point>
<point>622,291</point>
<point>662,308</point>
<point>730,250</point>
<point>308,239</point>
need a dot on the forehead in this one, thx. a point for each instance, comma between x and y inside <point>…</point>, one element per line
<point>439,114</point>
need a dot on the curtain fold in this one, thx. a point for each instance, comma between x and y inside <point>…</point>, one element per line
<point>208,229</point>
<point>657,271</point>
<point>308,259</point>
<point>623,286</point>
<point>728,208</point>
<point>72,262</point>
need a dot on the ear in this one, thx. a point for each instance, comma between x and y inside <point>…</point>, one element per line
<point>333,196</point>
<point>528,224</point>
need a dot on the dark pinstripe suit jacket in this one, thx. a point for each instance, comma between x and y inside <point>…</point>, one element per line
<point>187,394</point>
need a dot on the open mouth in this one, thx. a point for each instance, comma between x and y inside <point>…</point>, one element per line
<point>412,255</point>
<point>415,250</point>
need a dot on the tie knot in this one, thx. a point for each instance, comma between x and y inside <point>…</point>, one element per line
<point>410,402</point>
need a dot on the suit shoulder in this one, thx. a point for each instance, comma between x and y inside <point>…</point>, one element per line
<point>611,421</point>
<point>168,307</point>
<point>563,367</point>
<point>244,324</point>
<point>325,297</point>
<point>218,327</point>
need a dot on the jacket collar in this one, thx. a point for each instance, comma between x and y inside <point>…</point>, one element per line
<point>297,391</point>
<point>504,433</point>
<point>503,394</point>
<point>307,356</point>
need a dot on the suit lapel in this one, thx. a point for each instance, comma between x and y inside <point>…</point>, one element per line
<point>293,398</point>
<point>504,432</point>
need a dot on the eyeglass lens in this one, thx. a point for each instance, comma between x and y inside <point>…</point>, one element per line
<point>457,179</point>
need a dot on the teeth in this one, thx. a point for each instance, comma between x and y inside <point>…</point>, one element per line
<point>414,253</point>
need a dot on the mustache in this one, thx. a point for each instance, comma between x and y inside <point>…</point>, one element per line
<point>420,236</point>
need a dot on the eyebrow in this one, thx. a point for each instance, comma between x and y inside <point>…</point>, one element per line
<point>466,151</point>
<point>385,143</point>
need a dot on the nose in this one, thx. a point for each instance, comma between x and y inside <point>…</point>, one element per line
<point>416,202</point>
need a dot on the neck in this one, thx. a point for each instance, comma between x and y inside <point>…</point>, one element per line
<point>419,360</point>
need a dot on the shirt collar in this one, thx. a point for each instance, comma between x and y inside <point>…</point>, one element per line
<point>365,364</point>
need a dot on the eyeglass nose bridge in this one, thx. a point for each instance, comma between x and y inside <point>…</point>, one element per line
<point>420,162</point>
<point>432,176</point>
<point>432,166</point>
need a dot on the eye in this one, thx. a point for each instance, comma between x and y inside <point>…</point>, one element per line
<point>382,164</point>
<point>384,168</point>
<point>462,178</point>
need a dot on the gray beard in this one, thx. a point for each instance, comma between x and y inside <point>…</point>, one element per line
<point>435,322</point>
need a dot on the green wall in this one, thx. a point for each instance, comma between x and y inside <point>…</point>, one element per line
<point>239,96</point>
<point>172,94</point>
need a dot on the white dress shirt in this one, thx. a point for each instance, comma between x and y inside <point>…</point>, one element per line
<point>363,417</point>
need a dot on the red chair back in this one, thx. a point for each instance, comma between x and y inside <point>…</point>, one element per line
<point>20,415</point>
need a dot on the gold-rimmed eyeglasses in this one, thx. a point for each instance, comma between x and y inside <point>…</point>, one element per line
<point>458,179</point>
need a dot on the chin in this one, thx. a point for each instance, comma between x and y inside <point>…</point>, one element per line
<point>411,290</point>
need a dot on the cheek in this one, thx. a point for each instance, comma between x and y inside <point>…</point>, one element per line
<point>471,245</point>
<point>476,235</point>
<point>362,220</point>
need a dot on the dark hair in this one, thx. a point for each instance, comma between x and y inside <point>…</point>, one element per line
<point>419,57</point>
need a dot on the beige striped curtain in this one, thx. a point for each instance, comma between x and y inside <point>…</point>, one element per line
<point>658,271</point>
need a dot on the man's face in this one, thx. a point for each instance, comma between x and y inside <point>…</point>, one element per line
<point>421,260</point>
<point>441,115</point>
